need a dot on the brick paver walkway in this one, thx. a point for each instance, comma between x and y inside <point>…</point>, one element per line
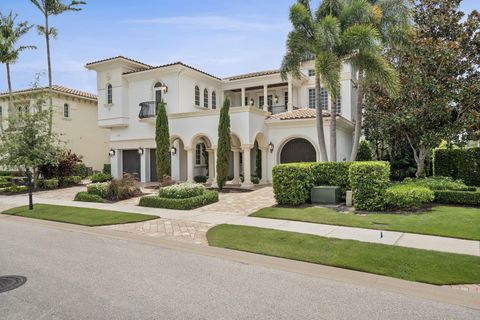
<point>473,288</point>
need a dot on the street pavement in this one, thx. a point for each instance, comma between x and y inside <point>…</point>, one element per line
<point>77,275</point>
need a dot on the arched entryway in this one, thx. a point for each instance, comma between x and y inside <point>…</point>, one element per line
<point>200,162</point>
<point>298,150</point>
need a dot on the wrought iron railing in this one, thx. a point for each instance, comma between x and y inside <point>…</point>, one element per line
<point>277,109</point>
<point>147,110</point>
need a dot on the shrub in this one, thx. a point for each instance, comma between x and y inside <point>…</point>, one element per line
<point>364,151</point>
<point>4,183</point>
<point>369,180</point>
<point>404,196</point>
<point>439,183</point>
<point>458,197</point>
<point>200,179</point>
<point>100,189</point>
<point>253,179</point>
<point>48,184</point>
<point>107,168</point>
<point>80,170</point>
<point>15,189</point>
<point>65,167</point>
<point>5,173</point>
<point>461,164</point>
<point>332,174</point>
<point>180,204</point>
<point>72,180</point>
<point>86,197</point>
<point>101,177</point>
<point>182,191</point>
<point>123,189</point>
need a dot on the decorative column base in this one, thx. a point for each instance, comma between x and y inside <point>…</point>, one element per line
<point>247,185</point>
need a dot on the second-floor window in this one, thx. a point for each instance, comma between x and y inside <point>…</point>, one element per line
<point>109,94</point>
<point>158,93</point>
<point>66,110</point>
<point>214,100</point>
<point>312,98</point>
<point>199,154</point>
<point>197,96</point>
<point>324,97</point>
<point>261,100</point>
<point>311,73</point>
<point>205,98</point>
<point>338,105</point>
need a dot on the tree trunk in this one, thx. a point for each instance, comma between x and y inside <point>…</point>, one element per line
<point>30,190</point>
<point>333,130</point>
<point>10,94</point>
<point>319,115</point>
<point>49,63</point>
<point>419,157</point>
<point>358,118</point>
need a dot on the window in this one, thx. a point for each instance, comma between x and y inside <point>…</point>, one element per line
<point>1,111</point>
<point>261,100</point>
<point>197,96</point>
<point>324,97</point>
<point>199,151</point>
<point>158,93</point>
<point>246,101</point>
<point>312,98</point>
<point>109,94</point>
<point>214,100</point>
<point>205,98</point>
<point>338,105</point>
<point>311,73</point>
<point>286,97</point>
<point>66,110</point>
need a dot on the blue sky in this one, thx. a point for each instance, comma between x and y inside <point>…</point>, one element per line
<point>220,37</point>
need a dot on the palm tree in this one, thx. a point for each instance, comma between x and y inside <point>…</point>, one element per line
<point>10,34</point>
<point>52,8</point>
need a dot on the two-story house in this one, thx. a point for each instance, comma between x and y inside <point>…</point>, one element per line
<point>269,115</point>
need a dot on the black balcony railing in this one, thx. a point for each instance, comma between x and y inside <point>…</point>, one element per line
<point>277,109</point>
<point>147,110</point>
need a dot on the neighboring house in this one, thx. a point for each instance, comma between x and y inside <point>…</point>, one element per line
<point>74,119</point>
<point>269,115</point>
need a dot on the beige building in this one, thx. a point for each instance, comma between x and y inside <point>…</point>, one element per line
<point>75,120</point>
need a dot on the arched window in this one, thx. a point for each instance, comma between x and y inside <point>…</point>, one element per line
<point>214,100</point>
<point>298,150</point>
<point>158,92</point>
<point>109,94</point>
<point>205,98</point>
<point>197,96</point>
<point>66,110</point>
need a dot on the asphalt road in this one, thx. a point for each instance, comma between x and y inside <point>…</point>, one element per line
<point>72,275</point>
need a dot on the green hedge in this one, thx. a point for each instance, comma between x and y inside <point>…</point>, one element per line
<point>180,204</point>
<point>439,183</point>
<point>101,177</point>
<point>48,184</point>
<point>292,183</point>
<point>404,196</point>
<point>15,189</point>
<point>100,189</point>
<point>458,197</point>
<point>87,197</point>
<point>200,179</point>
<point>107,168</point>
<point>368,181</point>
<point>461,164</point>
<point>72,180</point>
<point>80,169</point>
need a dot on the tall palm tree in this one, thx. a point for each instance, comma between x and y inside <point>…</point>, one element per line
<point>10,34</point>
<point>52,8</point>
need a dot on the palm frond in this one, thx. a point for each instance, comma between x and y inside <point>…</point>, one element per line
<point>356,12</point>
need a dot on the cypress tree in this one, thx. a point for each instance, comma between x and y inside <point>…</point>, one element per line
<point>224,144</point>
<point>162,140</point>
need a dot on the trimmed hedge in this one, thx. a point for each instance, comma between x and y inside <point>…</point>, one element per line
<point>101,177</point>
<point>100,189</point>
<point>80,169</point>
<point>48,184</point>
<point>182,191</point>
<point>180,204</point>
<point>439,183</point>
<point>87,197</point>
<point>15,189</point>
<point>200,179</point>
<point>403,196</point>
<point>458,197</point>
<point>461,164</point>
<point>369,180</point>
<point>72,180</point>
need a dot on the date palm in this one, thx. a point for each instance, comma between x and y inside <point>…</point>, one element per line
<point>50,8</point>
<point>10,34</point>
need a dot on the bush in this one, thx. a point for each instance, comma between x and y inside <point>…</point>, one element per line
<point>48,184</point>
<point>458,197</point>
<point>364,151</point>
<point>439,183</point>
<point>100,189</point>
<point>65,167</point>
<point>461,164</point>
<point>87,197</point>
<point>107,168</point>
<point>180,204</point>
<point>80,170</point>
<point>123,189</point>
<point>182,191</point>
<point>5,173</point>
<point>70,181</point>
<point>404,196</point>
<point>369,180</point>
<point>4,183</point>
<point>200,179</point>
<point>15,189</point>
<point>253,179</point>
<point>101,177</point>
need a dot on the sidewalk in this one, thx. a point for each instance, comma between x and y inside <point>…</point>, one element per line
<point>402,239</point>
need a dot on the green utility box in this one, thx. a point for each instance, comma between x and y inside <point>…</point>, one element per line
<point>326,194</point>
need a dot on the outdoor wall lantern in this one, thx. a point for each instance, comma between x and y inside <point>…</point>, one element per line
<point>164,88</point>
<point>173,150</point>
<point>111,153</point>
<point>271,147</point>
<point>252,102</point>
<point>140,151</point>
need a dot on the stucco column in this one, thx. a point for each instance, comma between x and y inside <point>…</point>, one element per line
<point>290,94</point>
<point>145,166</point>
<point>264,179</point>
<point>189,164</point>
<point>243,97</point>
<point>116,163</point>
<point>211,169</point>
<point>265,97</point>
<point>214,182</point>
<point>247,165</point>
<point>236,166</point>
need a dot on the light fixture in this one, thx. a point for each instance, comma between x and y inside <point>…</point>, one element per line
<point>271,147</point>
<point>164,88</point>
<point>140,151</point>
<point>276,99</point>
<point>173,150</point>
<point>252,102</point>
<point>111,153</point>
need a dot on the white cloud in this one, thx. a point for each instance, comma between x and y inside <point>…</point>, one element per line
<point>212,22</point>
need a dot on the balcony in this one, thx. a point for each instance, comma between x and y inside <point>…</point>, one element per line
<point>147,110</point>
<point>277,109</point>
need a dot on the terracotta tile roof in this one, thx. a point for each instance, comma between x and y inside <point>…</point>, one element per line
<point>173,64</point>
<point>252,75</point>
<point>58,89</point>
<point>303,113</point>
<point>119,57</point>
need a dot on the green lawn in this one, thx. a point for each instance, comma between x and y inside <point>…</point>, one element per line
<point>399,262</point>
<point>455,222</point>
<point>81,216</point>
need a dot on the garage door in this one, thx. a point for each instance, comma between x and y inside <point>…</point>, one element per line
<point>131,162</point>
<point>298,150</point>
